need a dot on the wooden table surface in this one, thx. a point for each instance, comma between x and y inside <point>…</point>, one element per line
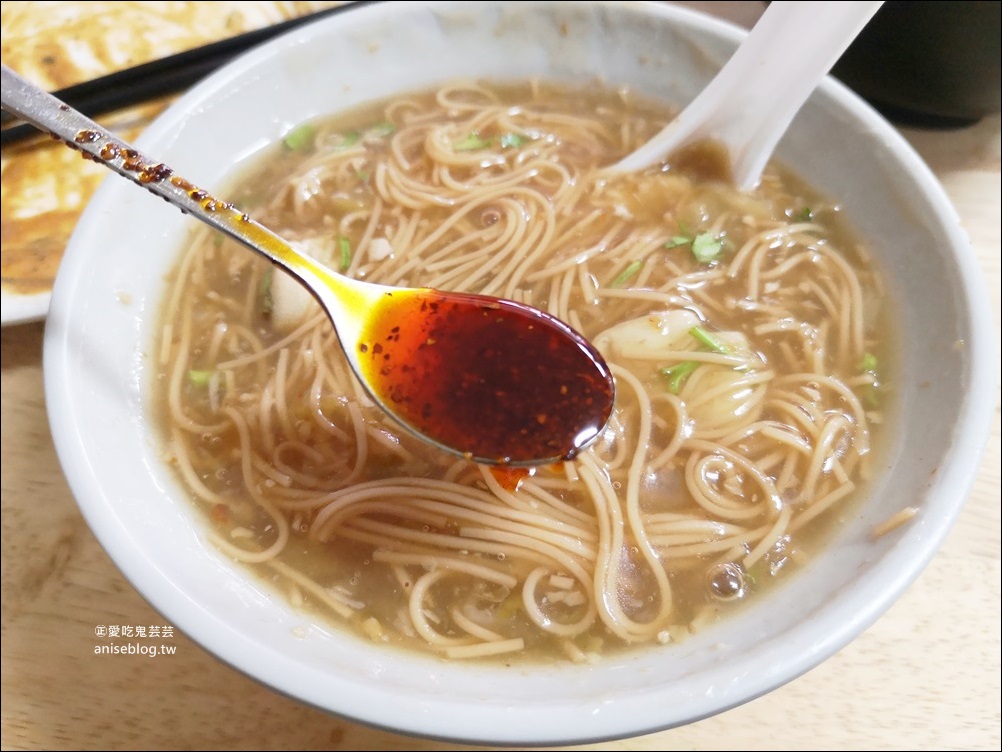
<point>925,676</point>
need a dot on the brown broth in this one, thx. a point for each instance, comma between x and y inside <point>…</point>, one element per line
<point>222,311</point>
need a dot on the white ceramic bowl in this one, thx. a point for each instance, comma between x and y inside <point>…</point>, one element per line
<point>102,321</point>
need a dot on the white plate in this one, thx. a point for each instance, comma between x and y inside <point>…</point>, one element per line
<point>20,309</point>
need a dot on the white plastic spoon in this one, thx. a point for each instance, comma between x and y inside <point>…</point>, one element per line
<point>751,102</point>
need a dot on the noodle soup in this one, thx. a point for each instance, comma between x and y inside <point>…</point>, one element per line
<point>744,332</point>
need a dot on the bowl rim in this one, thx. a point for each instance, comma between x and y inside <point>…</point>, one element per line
<point>418,715</point>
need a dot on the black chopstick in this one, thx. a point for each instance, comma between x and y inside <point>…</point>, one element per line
<point>158,78</point>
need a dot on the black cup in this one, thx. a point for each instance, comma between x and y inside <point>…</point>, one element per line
<point>927,63</point>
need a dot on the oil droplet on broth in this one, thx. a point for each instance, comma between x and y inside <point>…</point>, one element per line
<point>510,477</point>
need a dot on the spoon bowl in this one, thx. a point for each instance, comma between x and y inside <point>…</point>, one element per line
<point>750,103</point>
<point>449,367</point>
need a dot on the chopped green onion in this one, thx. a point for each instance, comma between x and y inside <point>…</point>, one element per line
<point>199,378</point>
<point>344,249</point>
<point>264,291</point>
<point>627,273</point>
<point>706,247</point>
<point>217,239</point>
<point>511,141</point>
<point>348,140</point>
<point>707,340</point>
<point>300,137</point>
<point>363,175</point>
<point>678,240</point>
<point>870,391</point>
<point>471,143</point>
<point>804,215</point>
<point>677,374</point>
<point>381,130</point>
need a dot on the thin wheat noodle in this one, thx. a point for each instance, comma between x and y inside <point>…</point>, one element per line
<point>737,457</point>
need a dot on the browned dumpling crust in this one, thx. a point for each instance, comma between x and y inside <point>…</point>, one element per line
<point>46,186</point>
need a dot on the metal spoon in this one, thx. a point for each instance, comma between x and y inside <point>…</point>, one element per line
<point>489,379</point>
<point>750,103</point>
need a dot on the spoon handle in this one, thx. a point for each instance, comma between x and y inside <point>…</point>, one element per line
<point>750,103</point>
<point>45,112</point>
